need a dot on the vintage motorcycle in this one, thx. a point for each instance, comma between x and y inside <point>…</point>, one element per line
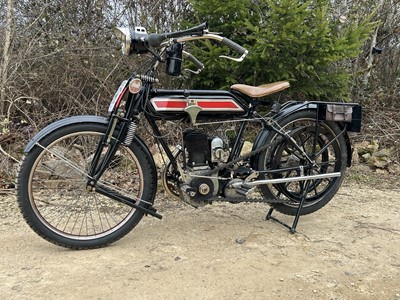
<point>86,181</point>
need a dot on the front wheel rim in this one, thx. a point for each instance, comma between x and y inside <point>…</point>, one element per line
<point>80,222</point>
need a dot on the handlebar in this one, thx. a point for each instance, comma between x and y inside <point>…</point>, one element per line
<point>156,39</point>
<point>138,41</point>
<point>198,32</point>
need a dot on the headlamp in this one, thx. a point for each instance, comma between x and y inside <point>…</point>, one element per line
<point>133,40</point>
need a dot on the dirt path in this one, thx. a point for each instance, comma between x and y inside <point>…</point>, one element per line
<point>348,250</point>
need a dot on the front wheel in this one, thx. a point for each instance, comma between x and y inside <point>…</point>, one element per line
<point>321,150</point>
<point>54,197</point>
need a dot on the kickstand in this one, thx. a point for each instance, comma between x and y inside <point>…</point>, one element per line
<point>303,191</point>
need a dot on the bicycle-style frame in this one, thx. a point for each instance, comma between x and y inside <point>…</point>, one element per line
<point>124,119</point>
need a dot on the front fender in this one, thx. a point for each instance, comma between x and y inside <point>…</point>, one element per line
<point>287,110</point>
<point>89,120</point>
<point>80,119</point>
<point>62,123</point>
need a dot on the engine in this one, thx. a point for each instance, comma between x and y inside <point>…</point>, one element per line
<point>202,153</point>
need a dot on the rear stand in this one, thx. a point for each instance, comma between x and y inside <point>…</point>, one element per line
<point>303,191</point>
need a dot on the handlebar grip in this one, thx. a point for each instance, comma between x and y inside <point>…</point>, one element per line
<point>194,60</point>
<point>156,39</point>
<point>233,45</point>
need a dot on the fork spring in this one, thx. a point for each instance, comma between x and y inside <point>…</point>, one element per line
<point>130,134</point>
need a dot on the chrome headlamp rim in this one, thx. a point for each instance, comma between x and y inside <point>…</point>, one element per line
<point>124,35</point>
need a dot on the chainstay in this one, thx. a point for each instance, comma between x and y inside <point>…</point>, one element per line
<point>248,200</point>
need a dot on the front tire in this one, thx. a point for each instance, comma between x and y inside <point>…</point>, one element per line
<point>324,144</point>
<point>54,198</point>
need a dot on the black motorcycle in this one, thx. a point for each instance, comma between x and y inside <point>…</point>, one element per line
<point>86,181</point>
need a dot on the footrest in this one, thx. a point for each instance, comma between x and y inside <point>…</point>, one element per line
<point>244,190</point>
<point>153,212</point>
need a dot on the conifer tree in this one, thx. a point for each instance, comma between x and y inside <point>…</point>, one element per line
<point>298,41</point>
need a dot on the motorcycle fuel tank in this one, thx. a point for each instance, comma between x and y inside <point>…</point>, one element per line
<point>207,103</point>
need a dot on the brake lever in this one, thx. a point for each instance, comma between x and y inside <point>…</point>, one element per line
<point>232,45</point>
<point>239,59</point>
<point>208,32</point>
<point>193,59</point>
<point>193,72</point>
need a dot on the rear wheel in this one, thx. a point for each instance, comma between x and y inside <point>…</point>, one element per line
<point>324,145</point>
<point>54,198</point>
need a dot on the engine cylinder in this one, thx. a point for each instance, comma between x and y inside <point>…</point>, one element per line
<point>197,146</point>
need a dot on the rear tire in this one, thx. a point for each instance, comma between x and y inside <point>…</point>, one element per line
<point>301,126</point>
<point>52,188</point>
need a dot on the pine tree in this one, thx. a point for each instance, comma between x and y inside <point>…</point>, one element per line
<point>298,41</point>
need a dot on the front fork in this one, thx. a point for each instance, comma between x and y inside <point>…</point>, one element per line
<point>98,164</point>
<point>123,119</point>
<point>102,159</point>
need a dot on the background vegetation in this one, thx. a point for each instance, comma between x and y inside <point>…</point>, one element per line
<point>59,57</point>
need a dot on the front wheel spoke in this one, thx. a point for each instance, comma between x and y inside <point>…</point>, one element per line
<point>68,209</point>
<point>77,213</point>
<point>64,159</point>
<point>98,212</point>
<point>82,223</point>
<point>115,188</point>
<point>120,191</point>
<point>92,220</point>
<point>55,185</point>
<point>59,213</point>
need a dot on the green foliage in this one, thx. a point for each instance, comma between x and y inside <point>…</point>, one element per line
<point>298,41</point>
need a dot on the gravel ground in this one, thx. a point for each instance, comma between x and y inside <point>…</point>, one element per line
<point>350,249</point>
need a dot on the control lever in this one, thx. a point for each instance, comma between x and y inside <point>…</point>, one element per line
<point>231,44</point>
<point>236,47</point>
<point>194,60</point>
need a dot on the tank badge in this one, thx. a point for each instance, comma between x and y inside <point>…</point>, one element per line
<point>193,110</point>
